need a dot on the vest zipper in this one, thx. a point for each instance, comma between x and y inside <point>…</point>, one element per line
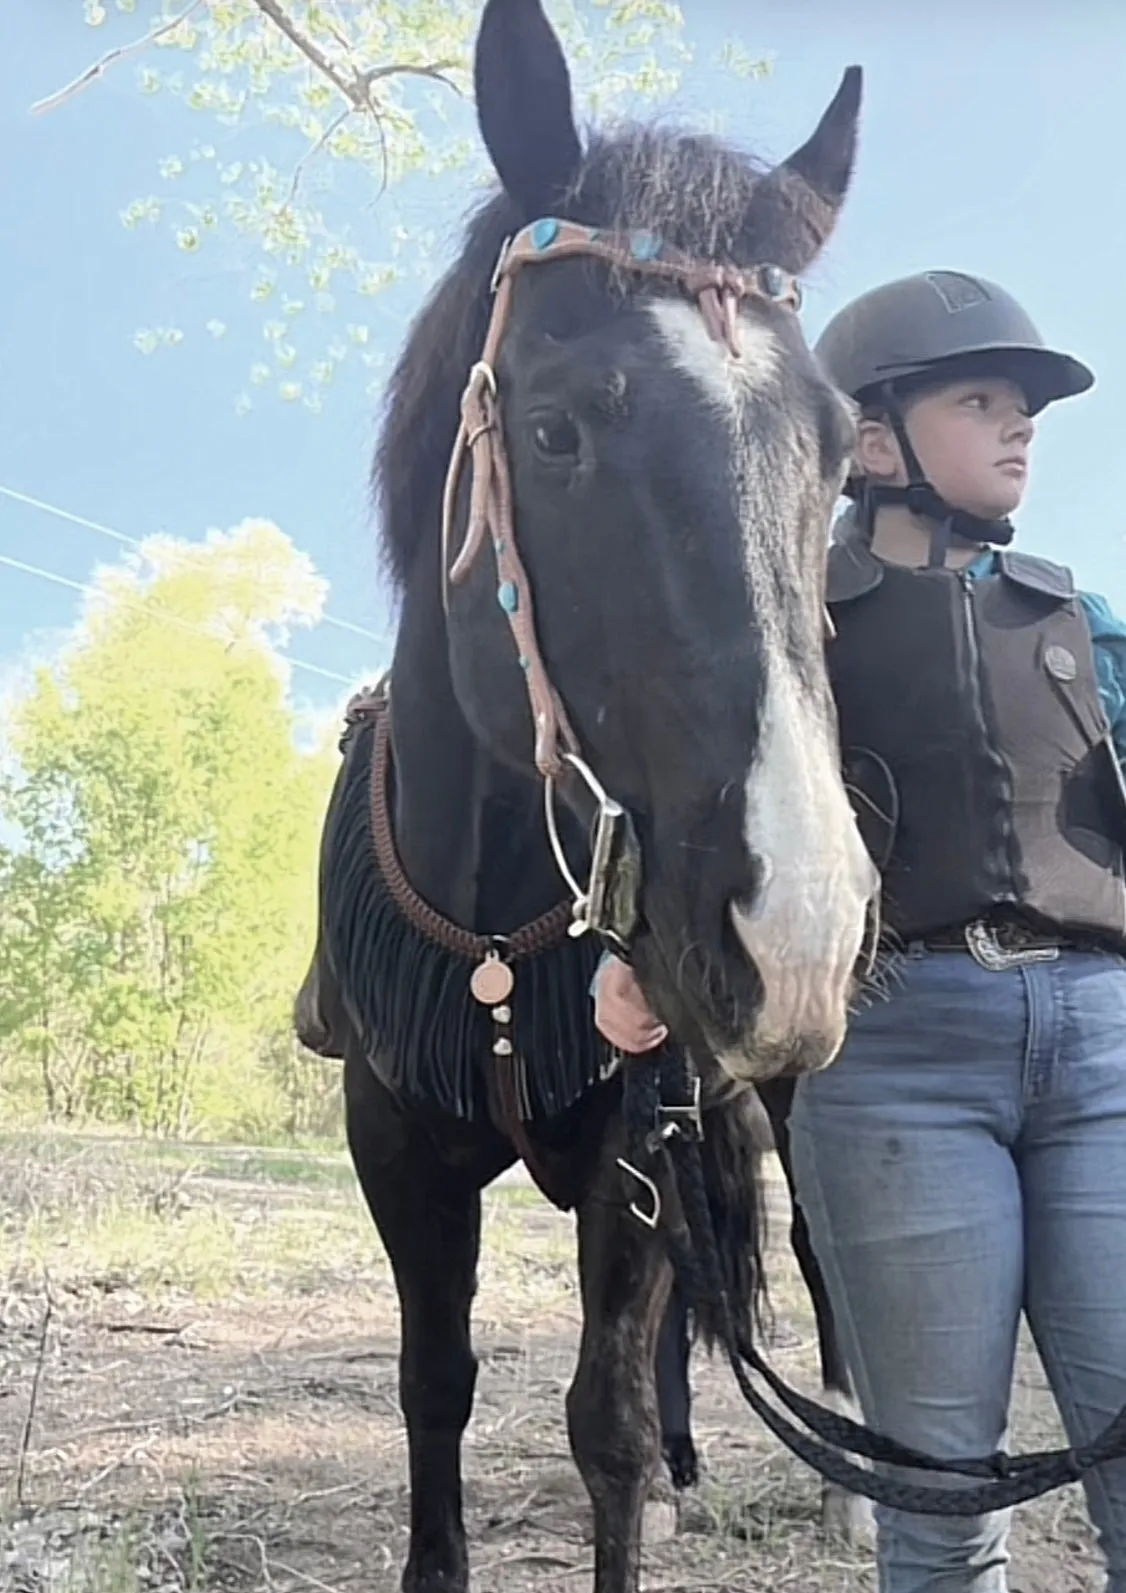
<point>1003,864</point>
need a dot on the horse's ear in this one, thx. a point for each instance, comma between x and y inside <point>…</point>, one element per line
<point>523,91</point>
<point>825,160</point>
<point>801,199</point>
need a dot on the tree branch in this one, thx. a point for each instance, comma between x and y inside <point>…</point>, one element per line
<point>355,87</point>
<point>100,68</point>
<point>436,70</point>
<point>315,148</point>
<point>351,91</point>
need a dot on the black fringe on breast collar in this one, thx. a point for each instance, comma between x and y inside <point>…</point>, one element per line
<point>428,1039</point>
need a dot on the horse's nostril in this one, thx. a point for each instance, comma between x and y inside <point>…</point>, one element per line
<point>764,875</point>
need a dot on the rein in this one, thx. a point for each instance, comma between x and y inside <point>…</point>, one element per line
<point>664,1126</point>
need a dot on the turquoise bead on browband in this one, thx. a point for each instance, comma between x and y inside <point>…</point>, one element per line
<point>644,245</point>
<point>508,597</point>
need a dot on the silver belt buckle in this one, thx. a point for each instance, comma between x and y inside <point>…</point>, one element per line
<point>987,951</point>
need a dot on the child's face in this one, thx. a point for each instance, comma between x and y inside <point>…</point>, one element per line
<point>972,439</point>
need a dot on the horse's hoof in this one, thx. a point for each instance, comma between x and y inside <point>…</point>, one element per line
<point>846,1517</point>
<point>436,1579</point>
<point>658,1522</point>
<point>681,1462</point>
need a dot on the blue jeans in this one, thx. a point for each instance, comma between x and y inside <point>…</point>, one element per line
<point>962,1161</point>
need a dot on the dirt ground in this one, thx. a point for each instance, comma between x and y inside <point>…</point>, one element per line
<point>198,1391</point>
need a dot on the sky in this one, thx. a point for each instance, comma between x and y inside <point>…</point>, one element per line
<point>990,142</point>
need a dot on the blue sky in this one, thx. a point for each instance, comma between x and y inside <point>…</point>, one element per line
<point>991,142</point>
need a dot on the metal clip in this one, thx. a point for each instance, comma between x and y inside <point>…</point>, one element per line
<point>611,1066</point>
<point>648,1219</point>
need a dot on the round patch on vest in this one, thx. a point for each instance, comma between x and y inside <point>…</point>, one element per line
<point>1060,662</point>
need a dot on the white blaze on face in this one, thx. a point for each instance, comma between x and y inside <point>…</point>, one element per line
<point>804,930</point>
<point>724,381</point>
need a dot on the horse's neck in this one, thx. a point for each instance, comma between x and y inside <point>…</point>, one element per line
<point>437,801</point>
<point>470,834</point>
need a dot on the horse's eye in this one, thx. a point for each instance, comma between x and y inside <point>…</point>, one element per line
<point>555,435</point>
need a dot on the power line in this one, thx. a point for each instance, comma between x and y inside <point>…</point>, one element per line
<point>171,619</point>
<point>59,580</point>
<point>65,514</point>
<point>135,542</point>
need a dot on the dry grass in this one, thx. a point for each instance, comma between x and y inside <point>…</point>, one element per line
<point>211,1341</point>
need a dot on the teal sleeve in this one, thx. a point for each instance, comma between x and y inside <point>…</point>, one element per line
<point>1108,636</point>
<point>602,961</point>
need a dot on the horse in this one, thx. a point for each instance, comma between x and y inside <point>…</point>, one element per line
<point>604,479</point>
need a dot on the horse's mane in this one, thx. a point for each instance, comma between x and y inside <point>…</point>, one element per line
<point>691,189</point>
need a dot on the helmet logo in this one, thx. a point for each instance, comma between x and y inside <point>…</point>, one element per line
<point>956,291</point>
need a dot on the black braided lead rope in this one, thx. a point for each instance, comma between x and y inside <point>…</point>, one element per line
<point>1010,1479</point>
<point>675,1081</point>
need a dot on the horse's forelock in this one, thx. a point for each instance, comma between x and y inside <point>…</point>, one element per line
<point>693,190</point>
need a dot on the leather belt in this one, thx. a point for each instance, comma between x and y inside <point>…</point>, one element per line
<point>997,944</point>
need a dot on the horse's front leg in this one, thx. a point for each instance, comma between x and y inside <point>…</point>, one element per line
<point>674,1393</point>
<point>612,1403</point>
<point>428,1217</point>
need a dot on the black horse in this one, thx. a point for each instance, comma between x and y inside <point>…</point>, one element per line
<point>635,607</point>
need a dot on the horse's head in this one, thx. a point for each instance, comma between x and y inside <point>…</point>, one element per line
<point>673,458</point>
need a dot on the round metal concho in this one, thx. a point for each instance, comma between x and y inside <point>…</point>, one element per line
<point>1060,662</point>
<point>491,982</point>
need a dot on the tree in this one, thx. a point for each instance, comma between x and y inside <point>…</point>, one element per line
<point>158,896</point>
<point>313,110</point>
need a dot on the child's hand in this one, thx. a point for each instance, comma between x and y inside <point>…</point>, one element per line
<point>621,1012</point>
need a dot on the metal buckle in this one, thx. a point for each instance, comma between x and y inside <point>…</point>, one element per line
<point>987,951</point>
<point>682,1119</point>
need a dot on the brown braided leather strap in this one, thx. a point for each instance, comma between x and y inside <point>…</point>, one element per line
<point>505,1077</point>
<point>528,941</point>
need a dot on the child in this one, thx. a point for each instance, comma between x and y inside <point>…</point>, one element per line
<point>964,1159</point>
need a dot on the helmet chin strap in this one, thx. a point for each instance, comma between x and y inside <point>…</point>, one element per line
<point>924,501</point>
